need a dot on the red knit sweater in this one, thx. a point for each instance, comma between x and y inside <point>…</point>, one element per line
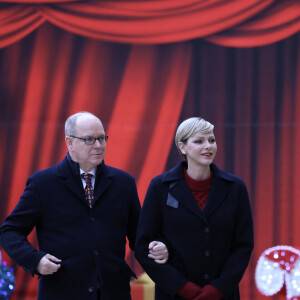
<point>199,188</point>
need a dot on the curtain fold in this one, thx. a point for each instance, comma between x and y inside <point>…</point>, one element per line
<point>246,23</point>
<point>16,22</point>
<point>167,68</point>
<point>56,59</point>
<point>66,74</point>
<point>37,1</point>
<point>275,24</point>
<point>149,22</point>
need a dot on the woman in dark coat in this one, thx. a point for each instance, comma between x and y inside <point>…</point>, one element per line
<point>204,216</point>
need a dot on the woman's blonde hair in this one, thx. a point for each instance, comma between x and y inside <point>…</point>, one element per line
<point>189,128</point>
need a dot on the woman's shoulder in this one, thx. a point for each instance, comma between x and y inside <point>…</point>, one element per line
<point>170,175</point>
<point>218,172</point>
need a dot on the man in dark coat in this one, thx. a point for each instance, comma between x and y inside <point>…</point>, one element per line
<point>81,251</point>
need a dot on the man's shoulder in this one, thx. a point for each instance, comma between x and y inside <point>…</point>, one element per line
<point>51,170</point>
<point>112,171</point>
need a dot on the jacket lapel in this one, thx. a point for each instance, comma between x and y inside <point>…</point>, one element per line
<point>75,185</point>
<point>71,179</point>
<point>218,191</point>
<point>181,192</point>
<point>102,183</point>
<point>69,171</point>
<point>220,187</point>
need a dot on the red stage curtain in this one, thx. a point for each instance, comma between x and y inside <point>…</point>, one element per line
<point>244,23</point>
<point>64,74</point>
<point>275,24</point>
<point>141,91</point>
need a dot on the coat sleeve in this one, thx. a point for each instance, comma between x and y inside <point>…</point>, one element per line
<point>134,213</point>
<point>165,276</point>
<point>241,246</point>
<point>18,225</point>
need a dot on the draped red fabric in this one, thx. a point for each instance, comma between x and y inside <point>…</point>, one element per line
<point>153,22</point>
<point>244,23</point>
<point>38,1</point>
<point>83,78</point>
<point>136,104</point>
<point>16,22</point>
<point>276,23</point>
<point>134,64</point>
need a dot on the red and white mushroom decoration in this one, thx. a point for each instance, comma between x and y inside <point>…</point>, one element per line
<point>278,272</point>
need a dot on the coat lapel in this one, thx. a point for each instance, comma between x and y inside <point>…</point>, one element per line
<point>71,179</point>
<point>69,170</point>
<point>218,191</point>
<point>102,183</point>
<point>104,176</point>
<point>75,185</point>
<point>220,187</point>
<point>181,192</point>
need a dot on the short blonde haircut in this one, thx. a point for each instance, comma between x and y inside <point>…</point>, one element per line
<point>189,128</point>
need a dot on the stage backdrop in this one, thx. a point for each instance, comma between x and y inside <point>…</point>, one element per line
<point>142,67</point>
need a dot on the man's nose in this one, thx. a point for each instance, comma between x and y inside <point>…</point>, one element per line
<point>97,143</point>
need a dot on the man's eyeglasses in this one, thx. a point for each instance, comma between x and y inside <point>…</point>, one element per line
<point>91,140</point>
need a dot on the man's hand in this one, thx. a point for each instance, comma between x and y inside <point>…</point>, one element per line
<point>159,252</point>
<point>49,264</point>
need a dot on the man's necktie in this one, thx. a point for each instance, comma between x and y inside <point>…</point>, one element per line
<point>89,191</point>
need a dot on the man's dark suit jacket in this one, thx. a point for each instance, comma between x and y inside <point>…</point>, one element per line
<point>90,242</point>
<point>206,247</point>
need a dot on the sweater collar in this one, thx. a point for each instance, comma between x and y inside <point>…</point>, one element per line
<point>197,185</point>
<point>177,173</point>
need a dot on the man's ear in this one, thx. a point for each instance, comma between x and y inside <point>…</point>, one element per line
<point>69,143</point>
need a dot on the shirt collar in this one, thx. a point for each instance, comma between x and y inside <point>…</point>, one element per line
<point>93,172</point>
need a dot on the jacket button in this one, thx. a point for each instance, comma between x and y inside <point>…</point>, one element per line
<point>207,253</point>
<point>92,219</point>
<point>91,289</point>
<point>206,276</point>
<point>206,229</point>
<point>96,252</point>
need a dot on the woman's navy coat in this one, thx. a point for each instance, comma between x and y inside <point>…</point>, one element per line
<point>206,247</point>
<point>90,242</point>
